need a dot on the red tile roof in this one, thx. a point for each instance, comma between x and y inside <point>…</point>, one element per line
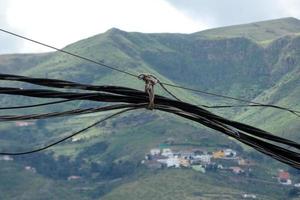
<point>283,175</point>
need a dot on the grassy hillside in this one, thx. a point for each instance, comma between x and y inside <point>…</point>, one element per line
<point>284,91</point>
<point>258,61</point>
<point>259,31</point>
<point>186,184</point>
<point>17,183</point>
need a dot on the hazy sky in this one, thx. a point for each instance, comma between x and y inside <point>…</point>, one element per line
<point>60,22</point>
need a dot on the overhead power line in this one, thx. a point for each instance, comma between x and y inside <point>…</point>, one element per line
<point>69,53</point>
<point>142,99</point>
<point>295,112</point>
<point>73,85</point>
<point>258,139</point>
<point>81,111</point>
<point>66,138</point>
<point>43,104</point>
<point>234,98</point>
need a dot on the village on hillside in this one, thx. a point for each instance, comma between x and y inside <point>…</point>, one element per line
<point>222,160</point>
<point>201,160</point>
<point>198,159</point>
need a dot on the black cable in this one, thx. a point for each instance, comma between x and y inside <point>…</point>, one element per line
<point>83,111</point>
<point>119,90</point>
<point>277,152</point>
<point>232,98</point>
<point>232,106</point>
<point>144,99</point>
<point>239,131</point>
<point>136,76</point>
<point>188,111</point>
<point>35,105</point>
<point>42,104</point>
<point>65,138</point>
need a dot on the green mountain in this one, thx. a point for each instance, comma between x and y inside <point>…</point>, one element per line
<point>265,31</point>
<point>258,61</point>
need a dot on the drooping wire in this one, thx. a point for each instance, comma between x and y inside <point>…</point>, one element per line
<point>131,98</point>
<point>248,105</point>
<point>73,85</point>
<point>76,112</point>
<point>295,112</point>
<point>169,92</point>
<point>65,138</point>
<point>136,76</point>
<point>252,136</point>
<point>233,98</point>
<point>43,104</point>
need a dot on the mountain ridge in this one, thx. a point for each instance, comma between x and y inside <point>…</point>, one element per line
<point>109,156</point>
<point>257,31</point>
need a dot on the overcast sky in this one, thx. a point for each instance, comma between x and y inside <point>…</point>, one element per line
<point>61,22</point>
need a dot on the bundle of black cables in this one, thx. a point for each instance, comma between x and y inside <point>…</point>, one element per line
<point>279,148</point>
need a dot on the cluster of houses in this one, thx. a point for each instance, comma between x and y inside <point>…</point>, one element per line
<point>30,169</point>
<point>24,123</point>
<point>6,158</point>
<point>197,159</point>
<point>201,160</point>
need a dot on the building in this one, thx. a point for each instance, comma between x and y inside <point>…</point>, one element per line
<point>154,152</point>
<point>205,159</point>
<point>229,153</point>
<point>184,162</point>
<point>76,139</point>
<point>6,158</point>
<point>284,177</point>
<point>170,162</point>
<point>70,178</point>
<point>24,123</point>
<point>237,170</point>
<point>218,154</point>
<point>30,169</point>
<point>297,185</point>
<point>244,162</point>
<point>186,154</point>
<point>249,196</point>
<point>167,152</point>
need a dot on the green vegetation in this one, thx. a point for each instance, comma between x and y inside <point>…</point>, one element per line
<point>188,184</point>
<point>258,31</point>
<point>258,61</point>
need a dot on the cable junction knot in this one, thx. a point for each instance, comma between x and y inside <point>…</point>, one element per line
<point>150,81</point>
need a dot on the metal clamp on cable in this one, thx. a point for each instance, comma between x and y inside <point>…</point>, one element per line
<point>150,81</point>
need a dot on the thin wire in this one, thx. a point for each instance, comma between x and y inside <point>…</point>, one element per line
<point>131,98</point>
<point>69,53</point>
<point>252,136</point>
<point>44,104</point>
<point>67,113</point>
<point>133,75</point>
<point>169,92</point>
<point>65,138</point>
<point>35,105</point>
<point>231,106</point>
<point>236,106</point>
<point>229,97</point>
